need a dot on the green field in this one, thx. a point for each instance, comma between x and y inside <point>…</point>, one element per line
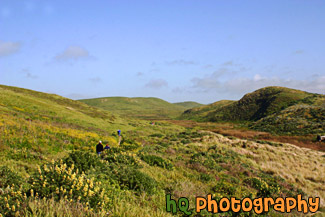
<point>48,165</point>
<point>141,107</point>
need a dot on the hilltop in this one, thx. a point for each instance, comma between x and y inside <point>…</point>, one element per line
<point>273,109</point>
<point>140,107</point>
<point>200,113</point>
<point>188,104</point>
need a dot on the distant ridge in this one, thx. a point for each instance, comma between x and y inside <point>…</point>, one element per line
<point>188,104</point>
<point>140,107</point>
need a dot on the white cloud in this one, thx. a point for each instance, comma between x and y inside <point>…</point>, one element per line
<point>7,48</point>
<point>157,83</point>
<point>239,86</point>
<point>73,53</point>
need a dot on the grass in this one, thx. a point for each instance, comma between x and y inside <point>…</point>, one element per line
<point>277,110</point>
<point>140,107</point>
<point>182,158</point>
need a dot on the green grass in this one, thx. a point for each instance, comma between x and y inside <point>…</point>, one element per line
<point>273,109</point>
<point>200,113</point>
<point>151,161</point>
<point>140,107</point>
<point>188,104</point>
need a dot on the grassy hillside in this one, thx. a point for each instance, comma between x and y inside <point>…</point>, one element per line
<point>188,104</point>
<point>200,113</point>
<point>273,109</point>
<point>48,165</point>
<point>138,107</point>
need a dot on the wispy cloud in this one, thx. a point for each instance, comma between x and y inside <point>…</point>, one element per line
<point>299,52</point>
<point>139,74</point>
<point>208,66</point>
<point>178,90</point>
<point>239,86</point>
<point>31,76</point>
<point>228,63</point>
<point>73,53</point>
<point>8,48</point>
<point>157,83</point>
<point>181,62</point>
<point>95,79</point>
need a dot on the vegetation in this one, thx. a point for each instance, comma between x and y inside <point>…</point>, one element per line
<point>273,109</point>
<point>48,164</point>
<point>140,107</point>
<point>188,104</point>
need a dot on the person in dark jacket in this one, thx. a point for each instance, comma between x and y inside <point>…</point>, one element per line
<point>99,148</point>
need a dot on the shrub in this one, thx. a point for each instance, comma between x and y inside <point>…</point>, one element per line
<point>159,135</point>
<point>12,201</point>
<point>225,188</point>
<point>8,177</point>
<point>82,160</point>
<point>205,177</point>
<point>262,187</point>
<point>133,179</point>
<point>60,181</point>
<point>154,160</point>
<point>122,158</point>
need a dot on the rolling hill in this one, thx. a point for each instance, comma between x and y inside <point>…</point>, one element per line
<point>200,113</point>
<point>48,165</point>
<point>140,107</point>
<point>274,109</point>
<point>188,104</point>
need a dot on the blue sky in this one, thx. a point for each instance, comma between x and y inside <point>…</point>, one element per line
<point>177,50</point>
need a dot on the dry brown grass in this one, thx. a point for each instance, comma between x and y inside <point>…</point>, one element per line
<point>303,167</point>
<point>229,129</point>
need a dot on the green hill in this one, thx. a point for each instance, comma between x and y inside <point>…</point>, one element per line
<point>36,106</point>
<point>188,104</point>
<point>269,109</point>
<point>200,113</point>
<point>48,164</point>
<point>139,107</point>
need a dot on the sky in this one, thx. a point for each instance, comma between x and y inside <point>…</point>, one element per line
<point>177,50</point>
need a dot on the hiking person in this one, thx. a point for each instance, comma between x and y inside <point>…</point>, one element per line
<point>320,138</point>
<point>99,148</point>
<point>107,147</point>
<point>119,132</point>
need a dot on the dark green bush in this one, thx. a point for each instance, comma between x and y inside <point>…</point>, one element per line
<point>154,160</point>
<point>122,158</point>
<point>159,135</point>
<point>82,160</point>
<point>205,177</point>
<point>225,188</point>
<point>262,187</point>
<point>8,177</point>
<point>133,179</point>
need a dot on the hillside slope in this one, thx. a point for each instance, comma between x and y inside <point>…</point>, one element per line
<point>47,156</point>
<point>188,104</point>
<point>269,109</point>
<point>138,107</point>
<point>200,113</point>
